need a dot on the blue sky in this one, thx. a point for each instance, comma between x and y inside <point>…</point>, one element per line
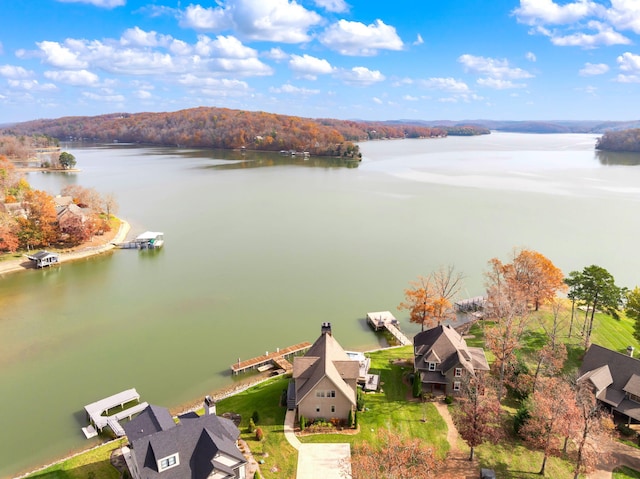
<point>359,59</point>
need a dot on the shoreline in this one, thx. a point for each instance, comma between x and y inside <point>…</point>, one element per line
<point>83,251</point>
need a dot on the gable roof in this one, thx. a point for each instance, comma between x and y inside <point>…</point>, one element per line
<point>203,443</point>
<point>612,374</point>
<point>446,347</point>
<point>325,359</point>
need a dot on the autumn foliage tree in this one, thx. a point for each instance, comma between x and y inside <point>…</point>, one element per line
<point>552,408</point>
<point>392,456</point>
<point>39,227</point>
<point>539,279</point>
<point>9,241</point>
<point>477,415</point>
<point>428,300</point>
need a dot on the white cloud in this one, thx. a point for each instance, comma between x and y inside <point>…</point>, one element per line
<point>263,20</point>
<point>535,12</point>
<point>215,86</point>
<point>361,76</point>
<point>15,72</point>
<point>31,85</point>
<point>531,56</point>
<point>410,98</point>
<point>624,15</point>
<point>622,78</point>
<point>309,66</point>
<point>445,84</point>
<point>143,94</point>
<point>377,100</point>
<point>108,97</point>
<point>604,35</point>
<point>498,84</point>
<point>418,40</point>
<point>73,77</point>
<point>492,68</point>
<point>180,48</point>
<point>60,56</point>
<point>358,39</point>
<point>223,46</point>
<point>99,3</point>
<point>629,62</point>
<point>294,90</point>
<point>276,54</point>
<point>336,6</point>
<point>591,69</point>
<point>137,37</point>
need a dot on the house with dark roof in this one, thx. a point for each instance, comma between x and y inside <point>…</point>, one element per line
<point>324,380</point>
<point>615,379</point>
<point>193,447</point>
<point>442,359</point>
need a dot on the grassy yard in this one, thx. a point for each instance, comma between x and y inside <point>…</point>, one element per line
<point>93,464</point>
<point>625,473</point>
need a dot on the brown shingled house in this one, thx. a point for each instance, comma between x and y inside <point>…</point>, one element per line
<point>615,378</point>
<point>442,359</point>
<point>324,380</point>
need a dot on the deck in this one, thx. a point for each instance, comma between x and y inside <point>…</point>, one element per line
<point>278,357</point>
<point>97,410</point>
<point>386,320</point>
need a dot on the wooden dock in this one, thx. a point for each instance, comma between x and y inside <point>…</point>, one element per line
<point>470,305</point>
<point>278,357</point>
<point>97,410</point>
<point>386,320</point>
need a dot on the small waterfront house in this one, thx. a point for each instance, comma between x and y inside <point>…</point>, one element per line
<point>149,240</point>
<point>196,447</point>
<point>615,379</point>
<point>71,217</point>
<point>44,258</point>
<point>324,380</point>
<point>442,359</point>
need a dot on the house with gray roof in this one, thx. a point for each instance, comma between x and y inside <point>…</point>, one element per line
<point>615,379</point>
<point>324,383</point>
<point>442,359</point>
<point>194,447</point>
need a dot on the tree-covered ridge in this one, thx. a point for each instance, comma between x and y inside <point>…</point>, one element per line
<point>623,140</point>
<point>206,127</point>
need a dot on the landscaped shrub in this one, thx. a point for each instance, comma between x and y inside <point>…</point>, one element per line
<point>448,400</point>
<point>521,417</point>
<point>256,417</point>
<point>417,386</point>
<point>252,425</point>
<point>625,430</point>
<point>256,475</point>
<point>355,420</point>
<point>303,423</point>
<point>350,418</point>
<point>259,434</point>
<point>360,400</point>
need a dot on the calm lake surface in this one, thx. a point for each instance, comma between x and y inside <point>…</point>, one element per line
<point>261,249</point>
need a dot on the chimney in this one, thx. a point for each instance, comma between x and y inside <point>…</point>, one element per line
<point>630,351</point>
<point>326,329</point>
<point>209,406</point>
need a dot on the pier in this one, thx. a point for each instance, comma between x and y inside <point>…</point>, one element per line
<point>96,410</point>
<point>471,305</point>
<point>386,320</point>
<point>279,358</point>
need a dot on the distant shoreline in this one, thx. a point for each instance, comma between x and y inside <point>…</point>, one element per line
<point>85,250</point>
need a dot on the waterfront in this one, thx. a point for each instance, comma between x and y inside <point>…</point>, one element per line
<point>260,250</point>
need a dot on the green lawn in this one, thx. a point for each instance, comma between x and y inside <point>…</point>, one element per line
<point>626,473</point>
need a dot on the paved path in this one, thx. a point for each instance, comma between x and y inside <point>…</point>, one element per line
<point>318,461</point>
<point>457,464</point>
<point>619,455</point>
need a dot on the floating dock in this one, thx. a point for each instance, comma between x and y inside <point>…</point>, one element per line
<point>386,320</point>
<point>277,358</point>
<point>97,411</point>
<point>147,240</point>
<point>471,305</point>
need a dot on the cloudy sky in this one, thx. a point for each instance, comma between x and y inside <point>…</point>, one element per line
<point>352,59</point>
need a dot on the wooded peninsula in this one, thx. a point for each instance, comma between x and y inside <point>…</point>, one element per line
<point>208,127</point>
<point>622,140</point>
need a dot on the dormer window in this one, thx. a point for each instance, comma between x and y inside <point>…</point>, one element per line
<point>432,366</point>
<point>168,462</point>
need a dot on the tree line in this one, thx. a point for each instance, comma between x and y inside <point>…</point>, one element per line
<point>622,140</point>
<point>208,127</point>
<point>29,218</point>
<point>556,409</point>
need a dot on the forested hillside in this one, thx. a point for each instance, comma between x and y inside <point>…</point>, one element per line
<point>224,128</point>
<point>624,140</point>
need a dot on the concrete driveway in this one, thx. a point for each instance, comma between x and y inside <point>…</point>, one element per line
<point>318,461</point>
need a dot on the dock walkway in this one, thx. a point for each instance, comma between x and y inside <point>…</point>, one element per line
<point>97,410</point>
<point>386,320</point>
<point>278,357</point>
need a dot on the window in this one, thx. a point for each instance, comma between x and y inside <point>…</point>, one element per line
<point>168,462</point>
<point>317,408</point>
<point>456,386</point>
<point>432,366</point>
<point>319,394</point>
<point>458,372</point>
<point>331,394</point>
<point>333,409</point>
<point>634,398</point>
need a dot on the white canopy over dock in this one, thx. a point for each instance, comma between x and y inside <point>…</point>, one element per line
<point>97,410</point>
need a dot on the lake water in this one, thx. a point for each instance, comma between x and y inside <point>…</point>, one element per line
<point>261,249</point>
